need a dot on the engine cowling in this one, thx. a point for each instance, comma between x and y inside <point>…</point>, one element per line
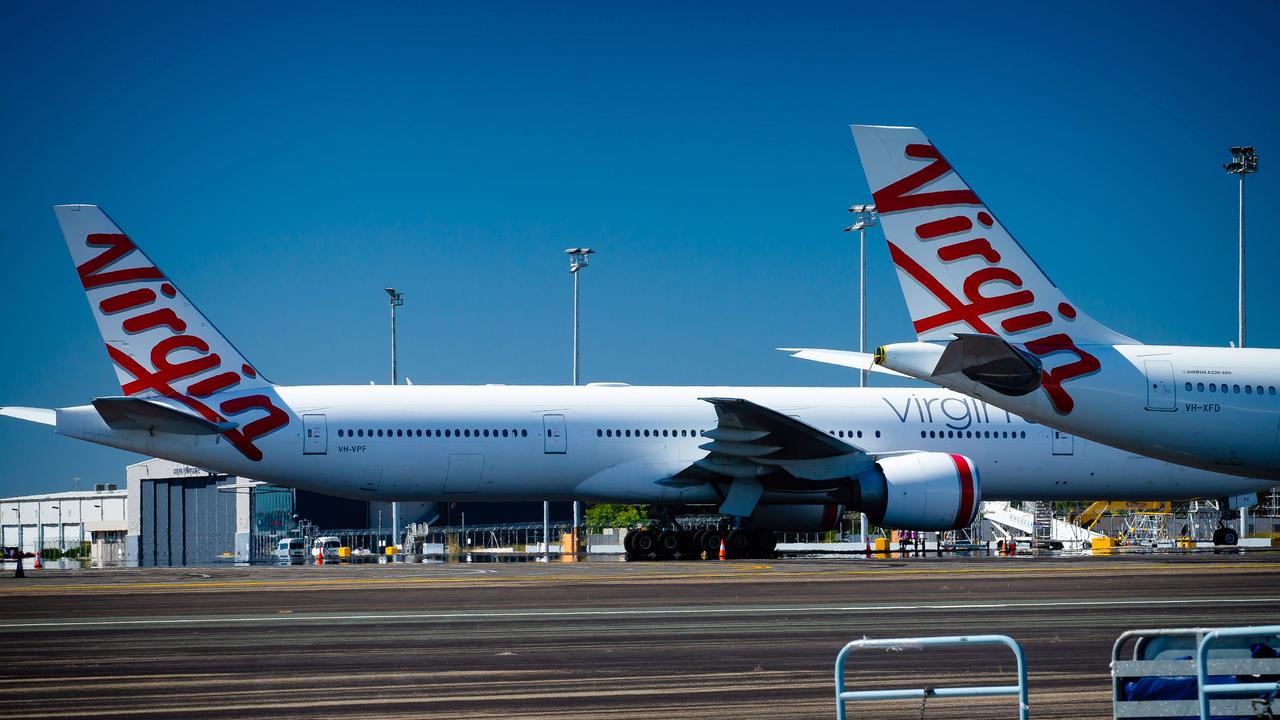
<point>798,518</point>
<point>922,491</point>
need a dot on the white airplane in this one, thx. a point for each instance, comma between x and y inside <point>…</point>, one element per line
<point>992,325</point>
<point>771,458</point>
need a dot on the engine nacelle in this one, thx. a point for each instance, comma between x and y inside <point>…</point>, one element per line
<point>921,491</point>
<point>797,518</point>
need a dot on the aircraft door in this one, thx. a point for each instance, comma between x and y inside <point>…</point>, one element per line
<point>1063,443</point>
<point>465,470</point>
<point>315,436</point>
<point>1161,391</point>
<point>555,439</point>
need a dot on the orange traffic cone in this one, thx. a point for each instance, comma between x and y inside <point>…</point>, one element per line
<point>723,553</point>
<point>320,558</point>
<point>38,565</point>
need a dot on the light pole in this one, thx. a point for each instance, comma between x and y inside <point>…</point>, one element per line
<point>578,259</point>
<point>396,299</point>
<point>865,217</point>
<point>1244,161</point>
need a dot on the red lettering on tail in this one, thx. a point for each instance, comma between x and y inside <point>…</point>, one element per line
<point>894,197</point>
<point>117,246</point>
<point>1052,380</point>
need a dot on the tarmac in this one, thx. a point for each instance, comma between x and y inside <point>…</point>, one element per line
<point>598,639</point>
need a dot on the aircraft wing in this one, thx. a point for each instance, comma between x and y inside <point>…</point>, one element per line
<point>754,447</point>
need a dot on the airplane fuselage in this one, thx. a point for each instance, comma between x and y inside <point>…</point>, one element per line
<point>623,444</point>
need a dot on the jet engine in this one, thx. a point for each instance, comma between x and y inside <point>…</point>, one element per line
<point>797,518</point>
<point>921,491</point>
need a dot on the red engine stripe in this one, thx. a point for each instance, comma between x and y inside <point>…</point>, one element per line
<point>965,473</point>
<point>830,514</point>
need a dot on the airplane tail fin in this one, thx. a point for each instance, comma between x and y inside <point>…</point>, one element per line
<point>960,270</point>
<point>160,343</point>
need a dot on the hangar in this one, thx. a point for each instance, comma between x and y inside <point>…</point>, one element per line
<point>171,514</point>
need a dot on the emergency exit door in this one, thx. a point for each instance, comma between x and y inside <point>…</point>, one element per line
<point>555,440</point>
<point>315,437</point>
<point>1161,392</point>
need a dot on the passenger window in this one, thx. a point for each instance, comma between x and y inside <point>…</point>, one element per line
<point>1188,387</point>
<point>599,432</point>
<point>1199,387</point>
<point>1024,434</point>
<point>399,433</point>
<point>1235,389</point>
<point>921,433</point>
<point>524,433</point>
<point>877,433</point>
<point>1259,389</point>
<point>859,433</point>
<point>931,434</point>
<point>339,433</point>
<point>1271,389</point>
<point>1248,389</point>
<point>1213,387</point>
<point>379,432</point>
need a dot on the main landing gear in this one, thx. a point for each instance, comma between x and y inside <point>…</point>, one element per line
<point>667,543</point>
<point>1226,536</point>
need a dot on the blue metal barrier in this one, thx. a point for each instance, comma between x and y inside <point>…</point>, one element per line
<point>1205,690</point>
<point>1020,690</point>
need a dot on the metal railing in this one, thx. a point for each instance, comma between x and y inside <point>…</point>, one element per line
<point>966,691</point>
<point>1182,654</point>
<point>1204,689</point>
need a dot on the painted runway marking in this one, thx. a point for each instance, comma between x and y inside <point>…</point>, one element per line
<point>642,612</point>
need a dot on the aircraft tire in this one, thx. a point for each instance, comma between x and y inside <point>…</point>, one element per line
<point>645,543</point>
<point>666,543</point>
<point>688,545</point>
<point>738,543</point>
<point>764,542</point>
<point>711,543</point>
<point>629,542</point>
<point>1229,536</point>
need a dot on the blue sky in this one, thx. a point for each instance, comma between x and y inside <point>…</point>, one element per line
<point>284,163</point>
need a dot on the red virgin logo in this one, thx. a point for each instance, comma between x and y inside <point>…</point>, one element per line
<point>959,239</point>
<point>200,376</point>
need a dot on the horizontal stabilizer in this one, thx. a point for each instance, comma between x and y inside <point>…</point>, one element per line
<point>130,413</point>
<point>843,358</point>
<point>44,416</point>
<point>990,360</point>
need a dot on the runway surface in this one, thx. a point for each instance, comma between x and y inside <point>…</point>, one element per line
<point>594,639</point>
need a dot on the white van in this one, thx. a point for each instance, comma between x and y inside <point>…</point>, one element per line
<point>328,545</point>
<point>292,551</point>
